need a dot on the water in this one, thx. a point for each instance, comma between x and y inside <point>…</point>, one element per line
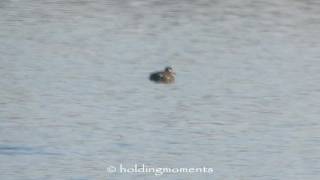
<point>75,96</point>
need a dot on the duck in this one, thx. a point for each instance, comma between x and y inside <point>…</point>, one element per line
<point>166,76</point>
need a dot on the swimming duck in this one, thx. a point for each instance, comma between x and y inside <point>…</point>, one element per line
<point>167,76</point>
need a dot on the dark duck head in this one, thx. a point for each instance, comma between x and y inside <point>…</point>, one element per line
<point>166,76</point>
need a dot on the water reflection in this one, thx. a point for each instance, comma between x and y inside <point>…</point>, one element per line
<point>75,88</point>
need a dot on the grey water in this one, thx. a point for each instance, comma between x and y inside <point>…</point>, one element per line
<point>75,97</point>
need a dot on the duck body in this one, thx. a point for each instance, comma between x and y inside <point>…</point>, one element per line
<point>167,76</point>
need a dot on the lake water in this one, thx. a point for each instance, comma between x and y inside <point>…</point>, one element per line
<point>75,98</point>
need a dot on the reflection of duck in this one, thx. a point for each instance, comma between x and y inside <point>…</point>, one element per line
<point>166,76</point>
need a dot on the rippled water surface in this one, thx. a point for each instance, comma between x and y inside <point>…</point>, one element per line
<point>75,96</point>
